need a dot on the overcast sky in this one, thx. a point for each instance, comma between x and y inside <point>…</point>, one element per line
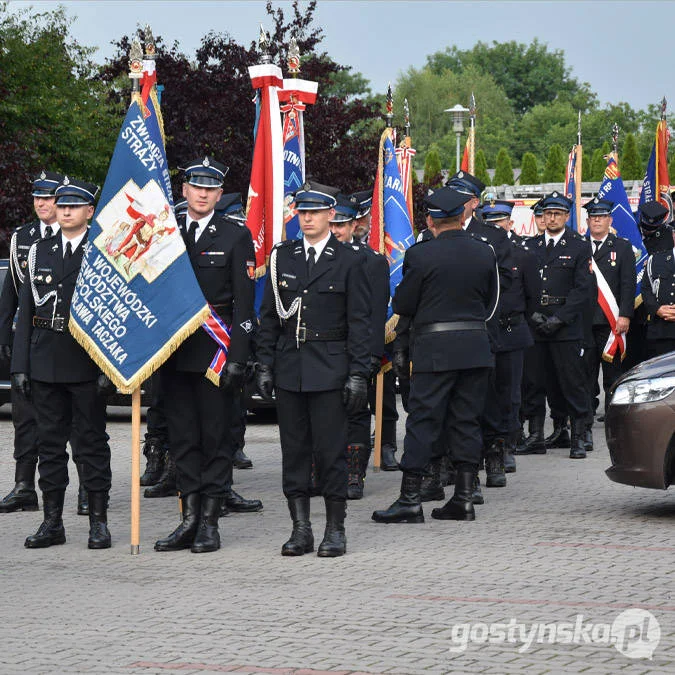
<point>623,49</point>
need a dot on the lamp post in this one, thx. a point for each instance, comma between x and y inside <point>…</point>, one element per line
<point>458,113</point>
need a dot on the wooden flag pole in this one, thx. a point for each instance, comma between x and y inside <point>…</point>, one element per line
<point>136,471</point>
<point>379,398</point>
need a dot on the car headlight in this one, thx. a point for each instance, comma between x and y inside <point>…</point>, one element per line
<point>643,391</point>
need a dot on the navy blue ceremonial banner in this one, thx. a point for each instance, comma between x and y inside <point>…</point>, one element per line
<point>136,297</point>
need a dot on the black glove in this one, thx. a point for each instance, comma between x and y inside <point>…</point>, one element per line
<point>552,326</point>
<point>233,375</point>
<point>21,383</point>
<point>355,393</point>
<point>400,364</point>
<point>375,365</point>
<point>538,319</point>
<point>5,354</point>
<point>104,386</point>
<point>264,381</point>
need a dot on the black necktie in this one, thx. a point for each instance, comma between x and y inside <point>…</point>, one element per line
<point>69,251</point>
<point>550,245</point>
<point>192,231</point>
<point>48,232</point>
<point>311,253</point>
<point>597,245</point>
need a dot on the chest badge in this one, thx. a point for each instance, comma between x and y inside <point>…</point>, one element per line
<point>48,279</point>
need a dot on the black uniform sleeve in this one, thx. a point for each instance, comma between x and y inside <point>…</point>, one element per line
<point>504,252</point>
<point>577,304</point>
<point>24,329</point>
<point>531,282</point>
<point>407,294</point>
<point>243,296</point>
<point>358,318</point>
<point>9,301</point>
<point>628,281</point>
<point>270,326</point>
<point>378,276</point>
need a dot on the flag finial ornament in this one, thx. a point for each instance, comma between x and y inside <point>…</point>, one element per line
<point>135,60</point>
<point>664,103</point>
<point>149,42</point>
<point>390,106</point>
<point>615,137</point>
<point>472,106</point>
<point>293,57</point>
<point>264,45</point>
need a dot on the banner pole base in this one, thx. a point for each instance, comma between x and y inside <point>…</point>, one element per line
<point>135,549</point>
<point>376,469</point>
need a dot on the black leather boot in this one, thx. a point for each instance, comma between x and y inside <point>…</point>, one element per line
<point>241,460</point>
<point>207,538</point>
<point>560,436</point>
<point>431,489</point>
<point>408,507</point>
<point>578,451</point>
<point>82,497</point>
<point>535,443</point>
<point>588,437</point>
<point>22,497</point>
<point>477,493</point>
<point>154,454</point>
<point>237,504</point>
<point>460,505</point>
<point>99,535</point>
<point>448,472</point>
<point>334,543</point>
<point>166,487</point>
<point>509,450</point>
<point>354,477</point>
<point>302,539</point>
<point>51,532</point>
<point>388,459</point>
<point>183,536</point>
<point>494,465</point>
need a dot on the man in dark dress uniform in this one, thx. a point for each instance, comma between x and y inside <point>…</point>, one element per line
<point>564,261</point>
<point>449,291</point>
<point>313,349</point>
<point>199,412</point>
<point>358,447</point>
<point>501,424</point>
<point>614,268</point>
<point>657,236</point>
<point>67,388</point>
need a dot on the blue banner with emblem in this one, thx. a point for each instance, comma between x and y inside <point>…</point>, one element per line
<point>623,222</point>
<point>136,297</point>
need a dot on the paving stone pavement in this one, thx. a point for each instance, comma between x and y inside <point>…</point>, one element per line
<point>560,543</point>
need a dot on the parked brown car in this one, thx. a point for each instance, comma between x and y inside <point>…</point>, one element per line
<point>640,425</point>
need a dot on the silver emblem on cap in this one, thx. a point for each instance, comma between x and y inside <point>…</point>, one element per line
<point>66,180</point>
<point>206,162</point>
<point>43,175</point>
<point>596,201</point>
<point>460,174</point>
<point>554,194</point>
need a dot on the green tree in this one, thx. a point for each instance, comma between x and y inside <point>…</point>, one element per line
<point>630,164</point>
<point>481,168</point>
<point>503,168</point>
<point>432,167</point>
<point>554,170</point>
<point>529,73</point>
<point>529,172</point>
<point>598,164</point>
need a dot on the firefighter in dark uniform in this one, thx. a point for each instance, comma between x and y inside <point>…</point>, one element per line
<point>67,388</point>
<point>449,290</point>
<point>564,261</point>
<point>313,349</point>
<point>613,259</point>
<point>657,236</point>
<point>199,412</point>
<point>358,447</point>
<point>389,410</point>
<point>501,424</point>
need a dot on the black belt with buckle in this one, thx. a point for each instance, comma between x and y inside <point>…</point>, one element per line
<point>552,300</point>
<point>445,326</point>
<point>306,334</point>
<point>59,324</point>
<point>510,320</point>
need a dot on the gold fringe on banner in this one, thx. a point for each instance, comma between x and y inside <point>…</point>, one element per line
<point>127,386</point>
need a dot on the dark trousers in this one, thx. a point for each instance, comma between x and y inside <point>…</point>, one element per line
<point>454,397</point>
<point>198,415</point>
<point>496,416</point>
<point>561,364</point>
<point>610,371</point>
<point>637,340</point>
<point>25,431</point>
<point>157,427</point>
<point>59,408</point>
<point>313,423</point>
<point>533,397</point>
<point>659,347</point>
